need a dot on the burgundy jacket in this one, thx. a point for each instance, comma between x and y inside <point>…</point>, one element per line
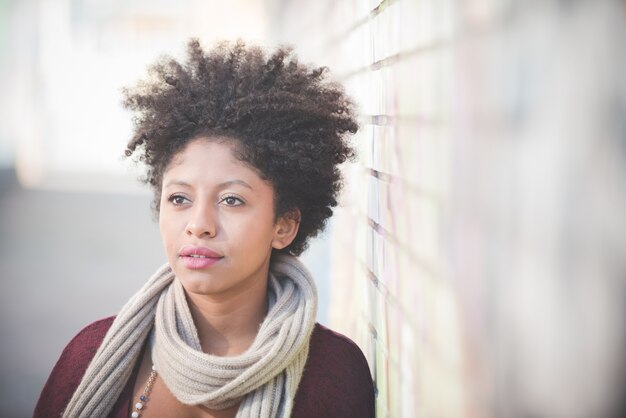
<point>336,381</point>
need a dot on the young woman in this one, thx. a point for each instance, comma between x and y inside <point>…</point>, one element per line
<point>242,151</point>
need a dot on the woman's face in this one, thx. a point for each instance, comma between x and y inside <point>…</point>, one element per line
<point>217,220</point>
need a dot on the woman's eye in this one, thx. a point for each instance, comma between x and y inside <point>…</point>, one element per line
<point>232,201</point>
<point>177,199</point>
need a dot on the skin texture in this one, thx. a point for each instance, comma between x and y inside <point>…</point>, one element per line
<point>211,199</point>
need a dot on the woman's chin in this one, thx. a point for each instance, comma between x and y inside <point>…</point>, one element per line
<point>202,284</point>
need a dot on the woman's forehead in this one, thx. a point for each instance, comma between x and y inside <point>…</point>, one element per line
<point>223,144</point>
<point>214,162</point>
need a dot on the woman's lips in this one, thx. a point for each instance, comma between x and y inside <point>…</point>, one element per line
<point>196,263</point>
<point>198,257</point>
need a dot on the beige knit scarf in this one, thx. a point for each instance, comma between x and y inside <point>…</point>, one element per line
<point>264,378</point>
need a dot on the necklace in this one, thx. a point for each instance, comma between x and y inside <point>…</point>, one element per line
<point>143,398</point>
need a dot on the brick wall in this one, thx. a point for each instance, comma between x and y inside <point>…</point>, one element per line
<point>475,253</point>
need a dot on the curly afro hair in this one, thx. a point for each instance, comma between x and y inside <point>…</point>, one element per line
<point>287,121</point>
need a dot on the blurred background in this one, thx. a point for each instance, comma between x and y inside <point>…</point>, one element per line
<point>479,253</point>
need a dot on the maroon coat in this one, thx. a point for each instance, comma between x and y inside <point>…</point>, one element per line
<point>336,381</point>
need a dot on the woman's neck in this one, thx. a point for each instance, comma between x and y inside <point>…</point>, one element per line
<point>228,324</point>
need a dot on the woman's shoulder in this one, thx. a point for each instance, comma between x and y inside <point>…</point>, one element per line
<point>332,349</point>
<point>84,345</point>
<point>70,368</point>
<point>337,380</point>
<point>92,334</point>
<point>325,339</point>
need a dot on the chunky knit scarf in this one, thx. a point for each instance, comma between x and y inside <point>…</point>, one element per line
<point>264,378</point>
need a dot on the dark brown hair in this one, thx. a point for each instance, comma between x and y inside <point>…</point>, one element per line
<point>288,123</point>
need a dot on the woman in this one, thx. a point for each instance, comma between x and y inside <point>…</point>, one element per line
<point>242,151</point>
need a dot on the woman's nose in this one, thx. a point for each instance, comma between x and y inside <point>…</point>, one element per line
<point>202,224</point>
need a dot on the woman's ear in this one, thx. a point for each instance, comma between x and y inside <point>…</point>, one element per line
<point>286,229</point>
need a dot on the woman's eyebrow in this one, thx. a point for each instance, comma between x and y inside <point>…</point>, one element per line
<point>219,186</point>
<point>177,183</point>
<point>236,181</point>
